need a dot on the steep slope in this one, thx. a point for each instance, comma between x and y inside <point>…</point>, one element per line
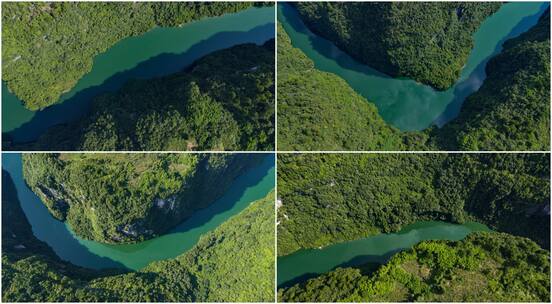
<point>484,267</point>
<point>432,50</point>
<point>224,101</point>
<point>221,267</point>
<point>121,198</point>
<point>511,110</point>
<point>329,198</point>
<point>319,111</point>
<point>47,47</point>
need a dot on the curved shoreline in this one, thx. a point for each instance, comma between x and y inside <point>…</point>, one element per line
<point>97,255</point>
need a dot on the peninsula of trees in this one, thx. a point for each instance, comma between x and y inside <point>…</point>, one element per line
<point>125,198</point>
<point>428,42</point>
<point>221,267</point>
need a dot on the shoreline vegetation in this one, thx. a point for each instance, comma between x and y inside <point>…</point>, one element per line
<point>331,198</point>
<point>220,267</point>
<point>486,266</point>
<point>229,105</point>
<point>47,47</point>
<point>431,50</point>
<point>320,111</point>
<point>129,198</point>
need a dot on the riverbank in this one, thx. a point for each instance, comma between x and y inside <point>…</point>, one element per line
<point>161,51</point>
<point>250,186</point>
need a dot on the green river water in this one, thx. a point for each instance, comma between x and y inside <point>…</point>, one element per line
<point>308,263</point>
<point>254,184</point>
<point>404,103</point>
<point>159,52</point>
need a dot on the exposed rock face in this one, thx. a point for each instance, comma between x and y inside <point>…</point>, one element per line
<point>134,230</point>
<point>165,204</point>
<point>56,198</point>
<point>132,198</point>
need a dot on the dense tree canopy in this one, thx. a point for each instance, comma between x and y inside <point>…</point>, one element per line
<point>429,42</point>
<point>484,267</point>
<point>511,110</point>
<point>118,198</point>
<point>224,101</point>
<point>221,267</point>
<point>48,46</point>
<point>319,111</point>
<point>328,198</point>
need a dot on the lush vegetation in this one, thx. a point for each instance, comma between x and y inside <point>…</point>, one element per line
<point>328,198</point>
<point>48,47</point>
<point>319,111</point>
<point>428,42</point>
<point>224,101</point>
<point>118,198</point>
<point>484,267</point>
<point>511,110</point>
<point>220,268</point>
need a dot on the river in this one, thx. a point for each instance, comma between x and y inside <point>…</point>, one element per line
<point>254,184</point>
<point>374,250</point>
<point>159,52</point>
<point>404,103</point>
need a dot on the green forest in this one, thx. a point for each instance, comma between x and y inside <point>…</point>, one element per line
<point>330,198</point>
<point>320,111</point>
<point>48,46</point>
<point>126,198</point>
<point>224,101</point>
<point>428,42</point>
<point>511,110</point>
<point>221,267</point>
<point>484,267</point>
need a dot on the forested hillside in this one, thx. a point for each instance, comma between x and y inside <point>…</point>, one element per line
<point>329,198</point>
<point>122,198</point>
<point>224,101</point>
<point>221,267</point>
<point>484,267</point>
<point>319,111</point>
<point>428,42</point>
<point>511,110</point>
<point>48,46</point>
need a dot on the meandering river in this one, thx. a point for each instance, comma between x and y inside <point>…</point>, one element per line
<point>404,103</point>
<point>254,184</point>
<point>375,250</point>
<point>159,52</point>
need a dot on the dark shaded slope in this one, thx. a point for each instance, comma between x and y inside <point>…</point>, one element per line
<point>224,101</point>
<point>428,42</point>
